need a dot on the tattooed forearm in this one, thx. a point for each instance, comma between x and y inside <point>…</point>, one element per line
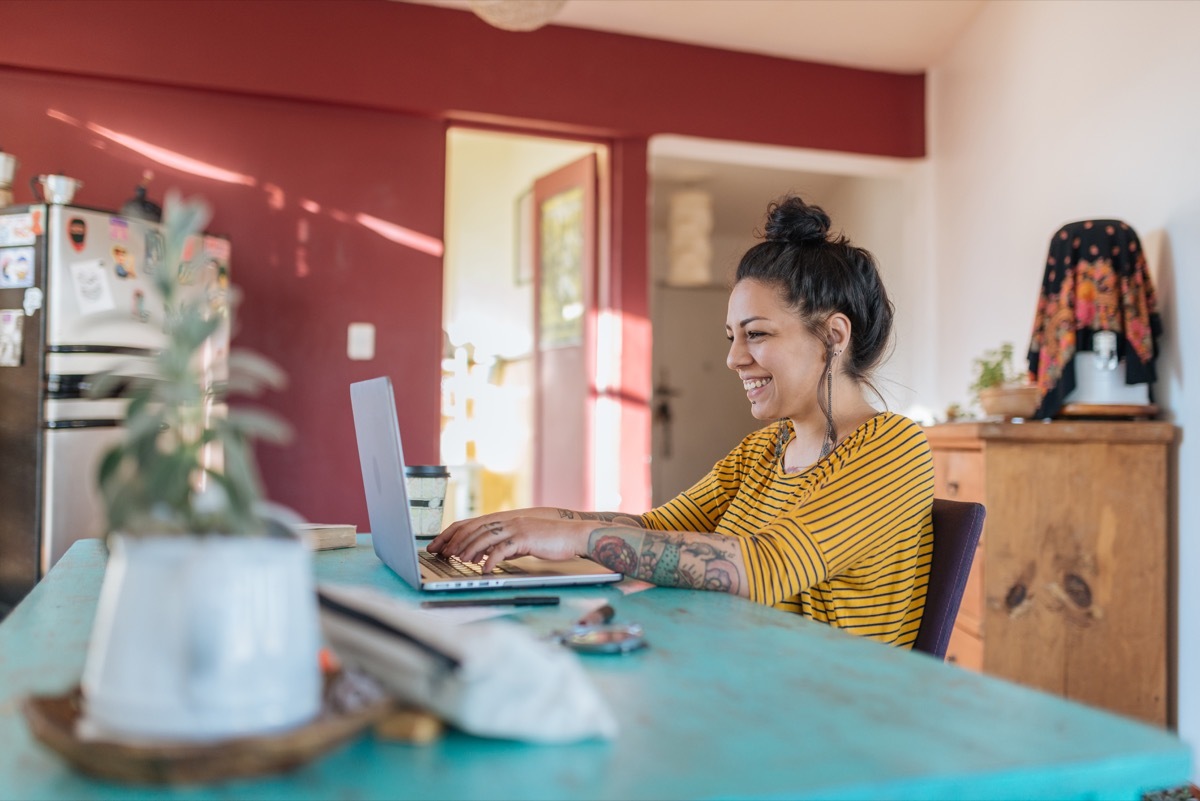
<point>619,518</point>
<point>671,559</point>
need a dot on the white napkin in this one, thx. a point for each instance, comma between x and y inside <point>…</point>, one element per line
<point>492,679</point>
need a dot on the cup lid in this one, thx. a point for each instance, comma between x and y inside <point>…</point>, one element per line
<point>427,470</point>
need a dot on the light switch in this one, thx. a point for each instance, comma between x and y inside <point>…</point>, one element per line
<point>360,341</point>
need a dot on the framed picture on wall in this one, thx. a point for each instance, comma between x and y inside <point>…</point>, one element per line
<point>560,232</point>
<point>523,239</point>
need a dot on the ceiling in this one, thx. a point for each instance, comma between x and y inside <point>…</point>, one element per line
<point>909,36</point>
<point>906,36</point>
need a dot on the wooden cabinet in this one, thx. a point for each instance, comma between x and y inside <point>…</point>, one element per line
<point>1070,590</point>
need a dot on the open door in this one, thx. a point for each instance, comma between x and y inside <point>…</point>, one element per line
<point>564,325</point>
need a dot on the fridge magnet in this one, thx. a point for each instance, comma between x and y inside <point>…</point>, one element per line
<point>123,262</point>
<point>92,292</point>
<point>118,229</point>
<point>17,229</point>
<point>155,248</point>
<point>139,306</point>
<point>16,268</point>
<point>216,282</point>
<point>32,300</point>
<point>11,337</point>
<point>187,272</point>
<point>77,230</point>
<point>217,248</point>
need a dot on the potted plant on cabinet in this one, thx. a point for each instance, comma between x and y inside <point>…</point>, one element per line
<point>206,626</point>
<point>1000,389</point>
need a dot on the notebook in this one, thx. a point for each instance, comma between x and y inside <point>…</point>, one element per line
<point>377,429</point>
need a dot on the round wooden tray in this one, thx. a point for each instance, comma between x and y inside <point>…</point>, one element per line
<point>53,719</point>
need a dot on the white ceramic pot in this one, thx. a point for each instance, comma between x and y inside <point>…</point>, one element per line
<point>203,637</point>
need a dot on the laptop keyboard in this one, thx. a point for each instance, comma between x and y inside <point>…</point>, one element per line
<point>453,567</point>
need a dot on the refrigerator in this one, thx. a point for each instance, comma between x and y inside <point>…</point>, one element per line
<point>76,299</point>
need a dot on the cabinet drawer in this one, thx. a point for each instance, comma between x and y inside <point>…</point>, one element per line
<point>965,650</point>
<point>958,475</point>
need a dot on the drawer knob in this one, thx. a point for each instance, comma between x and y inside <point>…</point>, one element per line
<point>1077,590</point>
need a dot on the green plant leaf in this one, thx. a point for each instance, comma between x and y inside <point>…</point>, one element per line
<point>249,372</point>
<point>995,369</point>
<point>155,478</point>
<point>256,424</point>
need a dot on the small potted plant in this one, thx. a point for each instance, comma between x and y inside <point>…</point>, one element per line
<point>207,624</point>
<point>1000,389</point>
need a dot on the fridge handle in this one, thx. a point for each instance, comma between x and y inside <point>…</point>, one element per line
<point>122,350</point>
<point>99,422</point>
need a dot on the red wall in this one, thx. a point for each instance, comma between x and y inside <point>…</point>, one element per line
<point>440,62</point>
<point>345,103</point>
<point>300,289</point>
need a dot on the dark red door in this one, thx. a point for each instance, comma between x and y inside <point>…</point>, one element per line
<point>564,335</point>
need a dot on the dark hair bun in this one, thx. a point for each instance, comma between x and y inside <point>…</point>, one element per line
<point>795,222</point>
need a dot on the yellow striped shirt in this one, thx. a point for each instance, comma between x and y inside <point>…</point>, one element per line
<point>847,542</point>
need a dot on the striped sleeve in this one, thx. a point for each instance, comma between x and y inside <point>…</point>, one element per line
<point>702,506</point>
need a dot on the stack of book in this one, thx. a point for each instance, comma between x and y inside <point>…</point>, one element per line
<point>323,536</point>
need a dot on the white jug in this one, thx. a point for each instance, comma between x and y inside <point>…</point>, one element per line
<point>8,168</point>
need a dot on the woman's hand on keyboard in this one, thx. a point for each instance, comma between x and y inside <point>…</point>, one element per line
<point>495,537</point>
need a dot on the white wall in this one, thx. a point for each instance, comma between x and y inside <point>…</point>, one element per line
<point>1048,112</point>
<point>886,215</point>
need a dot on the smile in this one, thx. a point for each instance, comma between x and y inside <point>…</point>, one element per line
<point>755,383</point>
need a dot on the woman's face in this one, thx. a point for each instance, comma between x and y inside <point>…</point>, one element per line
<point>777,358</point>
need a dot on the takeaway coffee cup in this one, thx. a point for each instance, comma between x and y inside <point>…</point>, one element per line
<point>426,497</point>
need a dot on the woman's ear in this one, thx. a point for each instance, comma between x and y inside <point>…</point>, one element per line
<point>839,329</point>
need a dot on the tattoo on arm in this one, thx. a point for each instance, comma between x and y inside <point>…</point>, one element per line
<point>619,518</point>
<point>671,559</point>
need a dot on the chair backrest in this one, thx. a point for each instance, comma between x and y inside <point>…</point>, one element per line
<point>956,529</point>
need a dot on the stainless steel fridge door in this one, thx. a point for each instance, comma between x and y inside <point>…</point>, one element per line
<point>72,508</point>
<point>100,281</point>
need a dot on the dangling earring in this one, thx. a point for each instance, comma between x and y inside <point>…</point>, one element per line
<point>830,433</point>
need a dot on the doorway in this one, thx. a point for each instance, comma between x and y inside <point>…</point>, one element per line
<point>489,369</point>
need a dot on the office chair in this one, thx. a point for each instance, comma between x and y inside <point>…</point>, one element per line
<point>956,529</point>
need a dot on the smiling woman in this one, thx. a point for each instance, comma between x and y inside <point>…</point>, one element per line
<point>826,511</point>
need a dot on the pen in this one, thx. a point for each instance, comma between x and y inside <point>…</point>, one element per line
<point>520,600</point>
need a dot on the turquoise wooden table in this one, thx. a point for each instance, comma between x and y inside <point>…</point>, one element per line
<point>731,700</point>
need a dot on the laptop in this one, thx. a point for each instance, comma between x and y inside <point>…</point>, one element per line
<point>381,455</point>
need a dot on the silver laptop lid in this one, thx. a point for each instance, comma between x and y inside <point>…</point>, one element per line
<point>377,429</point>
<point>381,455</point>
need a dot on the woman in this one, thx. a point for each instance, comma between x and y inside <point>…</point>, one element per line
<point>826,511</point>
